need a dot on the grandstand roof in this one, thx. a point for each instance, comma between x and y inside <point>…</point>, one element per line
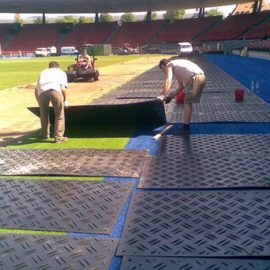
<point>105,6</point>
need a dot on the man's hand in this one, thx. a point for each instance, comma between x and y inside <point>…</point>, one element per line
<point>161,97</point>
<point>65,104</point>
<point>168,99</point>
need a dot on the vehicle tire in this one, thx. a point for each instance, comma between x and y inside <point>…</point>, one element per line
<point>96,76</point>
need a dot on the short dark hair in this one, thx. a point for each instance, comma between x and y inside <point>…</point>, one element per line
<point>53,64</point>
<point>163,63</point>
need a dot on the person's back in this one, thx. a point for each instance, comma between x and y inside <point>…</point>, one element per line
<point>51,89</point>
<point>51,78</point>
<point>184,69</point>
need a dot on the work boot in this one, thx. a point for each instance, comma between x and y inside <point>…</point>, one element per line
<point>60,140</point>
<point>45,138</point>
<point>184,131</point>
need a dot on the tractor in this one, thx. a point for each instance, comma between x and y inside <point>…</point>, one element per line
<point>79,71</point>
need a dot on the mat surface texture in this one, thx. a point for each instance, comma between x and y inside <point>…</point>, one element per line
<point>199,224</point>
<point>46,252</point>
<point>70,206</point>
<point>84,162</point>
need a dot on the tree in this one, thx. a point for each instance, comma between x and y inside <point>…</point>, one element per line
<point>83,19</point>
<point>67,19</point>
<point>18,19</point>
<point>173,15</point>
<point>127,17</point>
<point>105,17</point>
<point>153,16</point>
<point>38,20</point>
<point>214,12</point>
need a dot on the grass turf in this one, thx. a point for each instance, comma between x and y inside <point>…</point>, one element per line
<point>16,72</point>
<point>99,137</point>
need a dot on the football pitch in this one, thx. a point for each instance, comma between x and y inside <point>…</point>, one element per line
<point>17,72</point>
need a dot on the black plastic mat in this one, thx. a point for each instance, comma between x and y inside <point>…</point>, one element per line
<point>199,224</point>
<point>141,112</point>
<point>222,143</point>
<point>206,170</point>
<point>27,252</point>
<point>173,263</point>
<point>207,113</point>
<point>84,162</point>
<point>72,206</point>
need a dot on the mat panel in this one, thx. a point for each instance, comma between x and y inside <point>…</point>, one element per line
<point>218,110</point>
<point>214,144</point>
<point>199,224</point>
<point>61,253</point>
<point>85,162</point>
<point>137,94</point>
<point>72,206</point>
<point>113,111</point>
<point>206,171</point>
<point>172,263</point>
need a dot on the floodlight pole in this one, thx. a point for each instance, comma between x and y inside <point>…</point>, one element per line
<point>43,18</point>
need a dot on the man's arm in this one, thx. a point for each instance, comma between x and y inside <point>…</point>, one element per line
<point>168,80</point>
<point>36,90</point>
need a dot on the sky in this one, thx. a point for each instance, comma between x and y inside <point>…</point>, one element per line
<point>10,16</point>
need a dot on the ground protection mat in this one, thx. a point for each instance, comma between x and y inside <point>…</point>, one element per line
<point>199,224</point>
<point>220,112</point>
<point>71,206</point>
<point>223,143</point>
<point>141,112</point>
<point>84,162</point>
<point>139,94</point>
<point>27,252</point>
<point>173,263</point>
<point>205,170</point>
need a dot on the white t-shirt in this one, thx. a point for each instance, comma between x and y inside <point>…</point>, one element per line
<point>184,69</point>
<point>51,78</point>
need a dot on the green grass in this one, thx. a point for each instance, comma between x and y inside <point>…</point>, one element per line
<point>16,72</point>
<point>30,232</point>
<point>98,137</point>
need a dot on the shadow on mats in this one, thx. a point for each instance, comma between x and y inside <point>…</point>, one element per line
<point>145,112</point>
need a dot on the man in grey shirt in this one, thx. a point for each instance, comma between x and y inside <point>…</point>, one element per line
<point>190,78</point>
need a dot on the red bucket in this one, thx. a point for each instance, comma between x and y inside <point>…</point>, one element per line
<point>239,95</point>
<point>180,97</point>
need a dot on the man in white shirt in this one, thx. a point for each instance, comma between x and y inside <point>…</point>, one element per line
<point>51,88</point>
<point>191,80</point>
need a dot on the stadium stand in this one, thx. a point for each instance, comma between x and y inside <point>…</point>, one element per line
<point>186,29</point>
<point>136,33</point>
<point>31,36</point>
<point>199,31</point>
<point>232,27</point>
<point>261,30</point>
<point>261,45</point>
<point>88,33</point>
<point>4,28</point>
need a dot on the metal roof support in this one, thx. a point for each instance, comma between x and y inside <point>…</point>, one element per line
<point>149,16</point>
<point>43,18</point>
<point>201,12</point>
<point>96,18</point>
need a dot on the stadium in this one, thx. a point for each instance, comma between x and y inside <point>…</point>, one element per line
<point>126,191</point>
